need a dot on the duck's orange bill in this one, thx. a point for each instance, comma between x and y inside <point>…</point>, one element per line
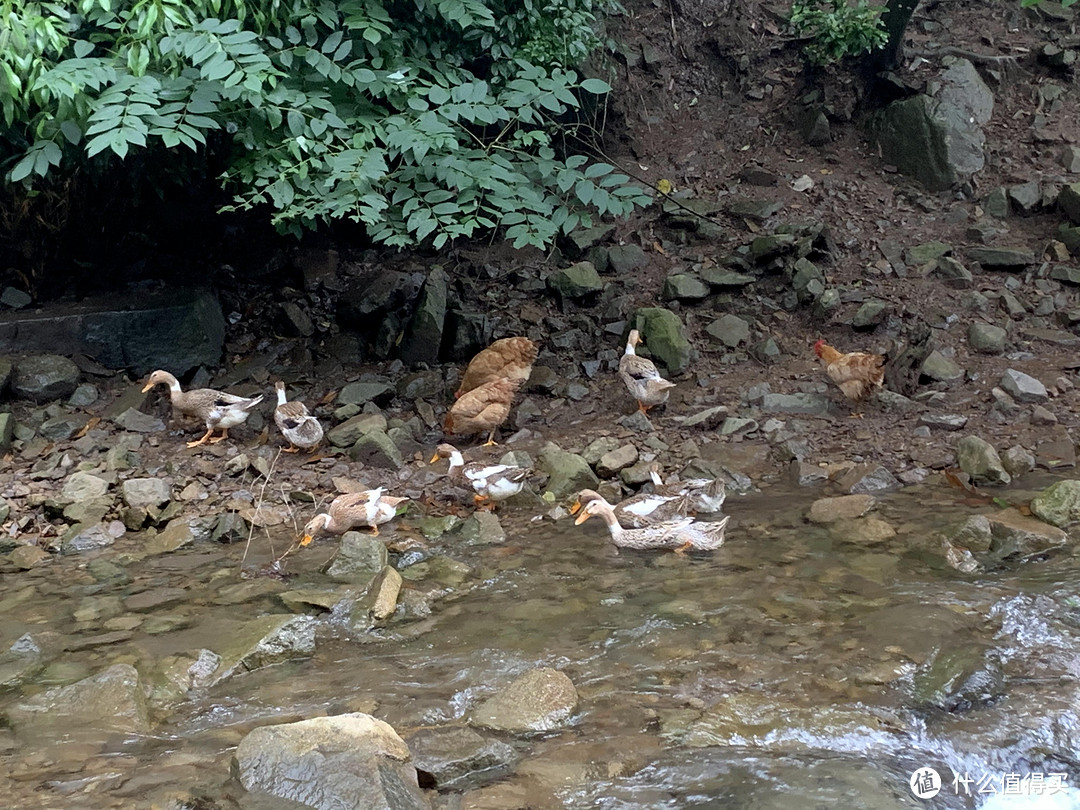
<point>147,387</point>
<point>434,458</point>
<point>582,518</point>
<point>306,540</point>
<point>574,509</point>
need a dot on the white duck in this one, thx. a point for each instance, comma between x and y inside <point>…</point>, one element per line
<point>641,376</point>
<point>490,482</point>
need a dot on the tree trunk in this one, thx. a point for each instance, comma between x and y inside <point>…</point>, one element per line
<point>896,17</point>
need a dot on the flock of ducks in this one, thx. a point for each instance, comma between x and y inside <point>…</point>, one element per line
<point>664,518</point>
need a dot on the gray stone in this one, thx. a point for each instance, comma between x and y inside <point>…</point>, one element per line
<point>795,403</point>
<point>765,248</point>
<point>138,422</point>
<point>974,533</point>
<point>230,527</point>
<point>958,677</point>
<point>1069,202</point>
<point>1066,273</point>
<point>625,259</point>
<point>579,280</point>
<point>347,433</point>
<point>1023,387</point>
<point>1070,159</point>
<point>176,329</point>
<point>14,298</point>
<point>1018,461</point>
<point>90,511</point>
<point>611,462</point>
<point>112,700</point>
<point>996,203</point>
<point>83,396</point>
<point>1014,534</point>
<point>943,421</point>
<point>1001,258</point>
<point>145,492</point>
<point>582,239</point>
<point>731,330</point>
<point>1041,417</point>
<point>61,428</point>
<point>423,336</point>
<point>637,422</point>
<point>81,486</point>
<point>360,393</point>
<point>870,314</point>
<point>664,337</point>
<point>458,758</point>
<point>481,529</point>
<point>261,642</point>
<point>380,601</point>
<point>376,449</point>
<point>722,277</point>
<point>865,479</point>
<point>808,282</point>
<point>542,699</point>
<point>81,538</point>
<point>1058,504</point>
<point>598,447</point>
<point>421,385</point>
<point>295,320</point>
<point>981,461</point>
<point>707,419</point>
<point>1026,197</point>
<point>738,425</point>
<point>952,273</point>
<point>918,255</point>
<point>765,350</point>
<point>359,558</point>
<point>986,338</point>
<point>7,431</point>
<point>176,535</point>
<point>844,507</point>
<point>807,475</point>
<point>331,763</point>
<point>684,287</point>
<point>938,367</point>
<point>568,473</point>
<point>42,378</point>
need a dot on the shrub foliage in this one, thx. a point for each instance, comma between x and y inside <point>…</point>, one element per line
<point>425,120</point>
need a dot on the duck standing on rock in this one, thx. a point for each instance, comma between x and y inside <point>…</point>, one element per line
<point>638,511</point>
<point>367,508</point>
<point>483,408</point>
<point>300,428</point>
<point>218,410</point>
<point>490,482</point>
<point>641,376</point>
<point>681,535</point>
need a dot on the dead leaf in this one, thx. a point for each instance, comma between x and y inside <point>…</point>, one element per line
<point>329,397</point>
<point>93,423</point>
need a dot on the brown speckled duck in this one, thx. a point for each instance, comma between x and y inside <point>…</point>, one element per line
<point>218,410</point>
<point>641,376</point>
<point>300,428</point>
<point>367,508</point>
<point>680,535</point>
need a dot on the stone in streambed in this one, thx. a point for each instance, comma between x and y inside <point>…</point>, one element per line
<point>272,639</point>
<point>481,528</point>
<point>360,557</point>
<point>1058,504</point>
<point>81,538</point>
<point>458,758</point>
<point>845,507</point>
<point>567,472</point>
<point>981,461</point>
<point>540,700</point>
<point>1016,535</point>
<point>345,761</point>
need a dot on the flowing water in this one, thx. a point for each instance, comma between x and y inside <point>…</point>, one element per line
<point>792,668</point>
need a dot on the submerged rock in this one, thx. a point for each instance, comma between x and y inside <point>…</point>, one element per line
<point>845,507</point>
<point>540,700</point>
<point>956,679</point>
<point>331,763</point>
<point>261,642</point>
<point>458,758</point>
<point>1014,534</point>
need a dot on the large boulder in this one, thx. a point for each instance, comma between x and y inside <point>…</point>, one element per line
<point>423,337</point>
<point>664,337</point>
<point>44,377</point>
<point>567,472</point>
<point>331,763</point>
<point>175,329</point>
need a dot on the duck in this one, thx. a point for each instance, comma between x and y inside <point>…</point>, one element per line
<point>638,511</point>
<point>482,409</point>
<point>218,410</point>
<point>641,376</point>
<point>704,495</point>
<point>680,535</point>
<point>509,358</point>
<point>490,482</point>
<point>369,507</point>
<point>300,428</point>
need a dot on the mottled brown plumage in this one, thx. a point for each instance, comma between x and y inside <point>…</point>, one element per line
<point>218,410</point>
<point>295,423</point>
<point>641,377</point>
<point>857,374</point>
<point>483,408</point>
<point>509,358</point>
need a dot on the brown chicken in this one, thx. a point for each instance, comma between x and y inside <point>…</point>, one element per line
<point>858,374</point>
<point>510,358</point>
<point>483,408</point>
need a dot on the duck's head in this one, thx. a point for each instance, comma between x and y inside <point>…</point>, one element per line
<point>584,497</point>
<point>443,451</point>
<point>597,506</point>
<point>159,377</point>
<point>634,338</point>
<point>316,526</point>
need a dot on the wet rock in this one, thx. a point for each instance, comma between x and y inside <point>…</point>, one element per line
<point>359,558</point>
<point>577,281</point>
<point>957,679</point>
<point>345,761</point>
<point>795,403</point>
<point>981,461</point>
<point>1018,461</point>
<point>1001,258</point>
<point>347,433</point>
<point>940,368</point>
<point>1056,452</point>
<point>974,533</point>
<point>262,642</point>
<point>807,475</point>
<point>176,535</point>
<point>380,601</point>
<point>43,378</point>
<point>664,337</point>
<point>1058,504</point>
<point>864,479</point>
<point>731,330</point>
<point>111,700</point>
<point>625,259</point>
<point>610,463</point>
<point>481,529</point>
<point>81,538</point>
<point>1023,387</point>
<point>458,758</point>
<point>1016,535</point>
<point>568,473</point>
<point>423,336</point>
<point>684,287</point>
<point>844,507</point>
<point>229,527</point>
<point>376,449</point>
<point>138,422</point>
<point>360,393</point>
<point>542,699</point>
<point>986,338</point>
<point>864,531</point>
<point>943,421</point>
<point>142,492</point>
<point>26,557</point>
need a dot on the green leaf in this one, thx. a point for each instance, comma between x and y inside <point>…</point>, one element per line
<point>596,86</point>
